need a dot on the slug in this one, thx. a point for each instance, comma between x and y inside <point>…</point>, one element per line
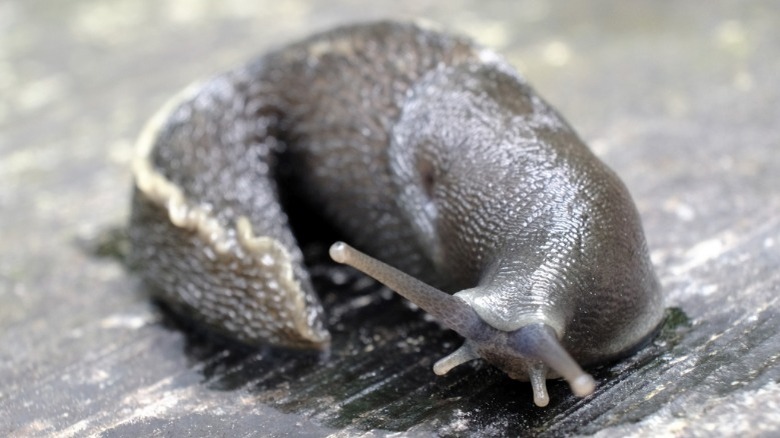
<point>472,195</point>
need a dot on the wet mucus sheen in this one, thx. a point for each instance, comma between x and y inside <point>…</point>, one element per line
<point>465,192</point>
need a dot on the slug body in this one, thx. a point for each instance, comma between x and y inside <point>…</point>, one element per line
<point>431,154</point>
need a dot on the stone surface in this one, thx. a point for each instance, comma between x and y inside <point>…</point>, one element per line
<point>680,98</point>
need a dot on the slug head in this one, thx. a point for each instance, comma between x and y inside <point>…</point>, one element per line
<point>527,353</point>
<point>541,239</point>
<point>519,216</point>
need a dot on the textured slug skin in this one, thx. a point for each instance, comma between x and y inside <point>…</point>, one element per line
<point>426,151</point>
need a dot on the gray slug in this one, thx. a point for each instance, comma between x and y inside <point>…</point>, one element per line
<point>431,154</point>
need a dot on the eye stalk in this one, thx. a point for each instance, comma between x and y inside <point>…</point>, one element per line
<point>539,342</point>
<point>449,310</point>
<point>526,353</point>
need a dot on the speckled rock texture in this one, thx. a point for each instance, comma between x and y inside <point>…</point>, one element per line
<point>680,99</point>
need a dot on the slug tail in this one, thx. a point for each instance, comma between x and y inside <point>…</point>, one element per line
<point>451,311</point>
<point>229,262</point>
<point>539,342</point>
